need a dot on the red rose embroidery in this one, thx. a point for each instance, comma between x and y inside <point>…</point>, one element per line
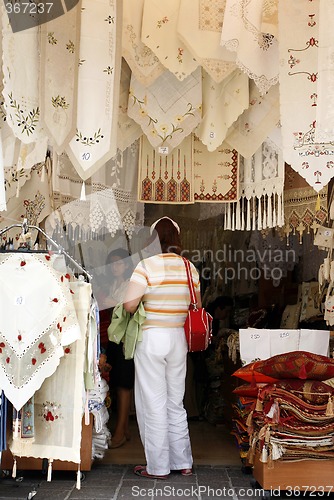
<point>47,257</point>
<point>41,346</point>
<point>8,360</point>
<point>33,361</point>
<point>54,300</point>
<point>67,350</point>
<point>22,263</point>
<point>19,338</point>
<point>49,416</point>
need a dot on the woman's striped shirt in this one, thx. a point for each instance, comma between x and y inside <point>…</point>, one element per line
<point>166,299</point>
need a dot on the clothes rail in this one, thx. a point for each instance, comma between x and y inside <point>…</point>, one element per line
<point>25,228</point>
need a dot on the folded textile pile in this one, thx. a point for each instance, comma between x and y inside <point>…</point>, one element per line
<point>96,405</point>
<point>292,415</point>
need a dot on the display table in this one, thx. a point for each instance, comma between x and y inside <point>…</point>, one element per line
<point>303,475</point>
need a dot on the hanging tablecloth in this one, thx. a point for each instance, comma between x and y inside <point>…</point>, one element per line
<point>58,405</point>
<point>160,33</point>
<point>168,110</point>
<point>21,69</point>
<point>299,26</point>
<point>59,59</point>
<point>230,95</point>
<point>37,319</point>
<point>269,21</point>
<point>3,205</point>
<point>166,178</point>
<point>199,27</point>
<point>216,173</point>
<point>256,52</point>
<point>261,191</point>
<point>255,124</point>
<point>98,87</point>
<point>144,64</point>
<point>324,130</point>
<point>128,130</point>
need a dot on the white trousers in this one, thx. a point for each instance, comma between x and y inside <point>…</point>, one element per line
<point>160,372</point>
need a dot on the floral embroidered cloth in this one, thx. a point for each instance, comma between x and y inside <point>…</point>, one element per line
<point>59,60</point>
<point>144,64</point>
<point>166,178</point>
<point>98,88</point>
<point>216,173</point>
<point>159,33</point>
<point>300,78</point>
<point>37,319</point>
<point>255,124</point>
<point>168,110</point>
<point>230,95</point>
<point>199,27</point>
<point>58,404</point>
<point>20,59</point>
<point>256,52</point>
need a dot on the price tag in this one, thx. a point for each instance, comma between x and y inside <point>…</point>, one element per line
<point>19,301</point>
<point>163,150</point>
<point>284,335</point>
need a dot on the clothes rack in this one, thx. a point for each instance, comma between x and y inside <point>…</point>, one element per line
<point>25,228</point>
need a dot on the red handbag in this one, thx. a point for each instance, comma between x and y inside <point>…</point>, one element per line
<point>198,324</point>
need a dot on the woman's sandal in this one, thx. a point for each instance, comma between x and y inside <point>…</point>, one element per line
<point>140,470</point>
<point>186,472</point>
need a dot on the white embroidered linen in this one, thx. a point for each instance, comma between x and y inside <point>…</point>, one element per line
<point>111,198</point>
<point>299,26</point>
<point>59,60</point>
<point>168,110</point>
<point>98,88</point>
<point>21,68</point>
<point>255,124</point>
<point>256,52</point>
<point>269,20</point>
<point>128,130</point>
<point>261,190</point>
<point>166,178</point>
<point>144,64</point>
<point>222,104</point>
<point>37,319</point>
<point>159,32</point>
<point>316,341</point>
<point>58,404</point>
<point>216,174</point>
<point>3,204</point>
<point>199,27</point>
<point>254,345</point>
<point>324,130</point>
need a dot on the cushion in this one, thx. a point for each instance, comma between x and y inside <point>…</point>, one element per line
<point>247,390</point>
<point>329,382</point>
<point>250,374</point>
<point>314,392</point>
<point>297,364</point>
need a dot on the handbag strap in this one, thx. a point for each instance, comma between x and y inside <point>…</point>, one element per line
<point>190,283</point>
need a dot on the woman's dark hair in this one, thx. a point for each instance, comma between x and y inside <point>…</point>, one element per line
<point>168,236</point>
<point>118,252</point>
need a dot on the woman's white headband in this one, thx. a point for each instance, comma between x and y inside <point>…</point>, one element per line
<point>165,217</point>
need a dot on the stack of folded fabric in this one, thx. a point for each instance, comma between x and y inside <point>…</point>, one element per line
<point>293,414</point>
<point>96,405</point>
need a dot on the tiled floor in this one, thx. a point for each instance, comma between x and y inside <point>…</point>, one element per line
<point>108,480</point>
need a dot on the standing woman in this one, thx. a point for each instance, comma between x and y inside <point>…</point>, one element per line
<point>160,282</point>
<point>121,377</point>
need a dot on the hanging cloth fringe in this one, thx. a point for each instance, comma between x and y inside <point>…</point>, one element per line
<point>78,485</point>
<point>14,468</point>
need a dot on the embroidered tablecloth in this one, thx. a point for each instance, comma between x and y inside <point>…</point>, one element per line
<point>300,79</point>
<point>37,319</point>
<point>98,87</point>
<point>169,109</point>
<point>216,173</point>
<point>256,52</point>
<point>199,27</point>
<point>60,59</point>
<point>58,404</point>
<point>159,32</point>
<point>232,96</point>
<point>144,64</point>
<point>21,68</point>
<point>166,178</point>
